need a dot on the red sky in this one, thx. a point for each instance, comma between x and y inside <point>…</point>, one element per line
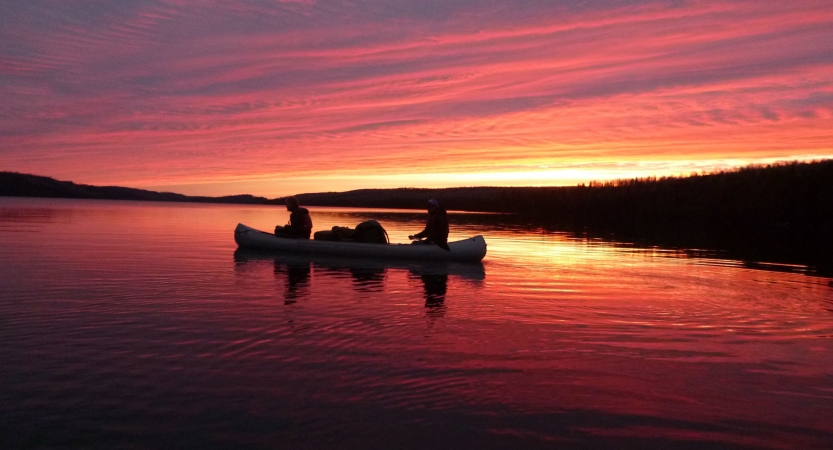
<point>280,97</point>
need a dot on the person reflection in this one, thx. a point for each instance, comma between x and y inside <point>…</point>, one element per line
<point>297,279</point>
<point>435,285</point>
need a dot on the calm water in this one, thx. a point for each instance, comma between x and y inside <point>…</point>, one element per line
<point>140,325</point>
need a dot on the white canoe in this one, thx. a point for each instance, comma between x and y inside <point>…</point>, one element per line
<point>471,249</point>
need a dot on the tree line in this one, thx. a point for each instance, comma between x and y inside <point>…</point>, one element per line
<point>785,209</point>
<point>770,212</point>
<point>25,185</point>
<point>789,193</point>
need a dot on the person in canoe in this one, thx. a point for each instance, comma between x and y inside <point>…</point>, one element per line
<point>436,230</point>
<point>300,223</point>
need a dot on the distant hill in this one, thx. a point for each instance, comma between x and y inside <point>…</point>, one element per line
<point>774,212</point>
<point>789,193</point>
<point>784,194</point>
<point>23,185</point>
<point>782,211</point>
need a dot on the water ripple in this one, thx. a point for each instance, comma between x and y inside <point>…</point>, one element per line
<point>119,326</point>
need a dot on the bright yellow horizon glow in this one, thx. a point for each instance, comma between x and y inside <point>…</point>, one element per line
<point>283,185</point>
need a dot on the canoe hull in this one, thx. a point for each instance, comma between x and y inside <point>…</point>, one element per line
<point>471,249</point>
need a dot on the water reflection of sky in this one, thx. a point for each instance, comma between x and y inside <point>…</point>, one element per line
<point>149,313</point>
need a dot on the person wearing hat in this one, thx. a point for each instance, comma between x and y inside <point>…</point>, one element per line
<point>436,230</point>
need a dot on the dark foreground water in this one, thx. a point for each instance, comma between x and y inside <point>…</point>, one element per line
<point>140,325</point>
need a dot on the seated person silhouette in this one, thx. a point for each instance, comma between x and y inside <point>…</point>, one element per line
<point>436,230</point>
<point>300,223</point>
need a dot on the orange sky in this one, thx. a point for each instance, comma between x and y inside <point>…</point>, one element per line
<point>280,97</point>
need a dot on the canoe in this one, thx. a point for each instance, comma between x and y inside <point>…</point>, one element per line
<point>472,249</point>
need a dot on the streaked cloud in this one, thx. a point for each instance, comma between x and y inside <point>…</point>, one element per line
<point>272,98</point>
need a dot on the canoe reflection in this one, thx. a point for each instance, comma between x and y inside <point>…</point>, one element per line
<point>367,275</point>
<point>297,280</point>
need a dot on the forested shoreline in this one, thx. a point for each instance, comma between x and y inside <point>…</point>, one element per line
<point>13,184</point>
<point>778,212</point>
<point>780,193</point>
<point>783,209</point>
<point>785,194</point>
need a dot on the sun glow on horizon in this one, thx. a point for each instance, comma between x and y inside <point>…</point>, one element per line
<point>283,186</point>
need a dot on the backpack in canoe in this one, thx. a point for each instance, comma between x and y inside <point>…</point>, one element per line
<point>369,231</point>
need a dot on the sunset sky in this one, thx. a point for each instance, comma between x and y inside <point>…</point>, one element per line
<point>275,97</point>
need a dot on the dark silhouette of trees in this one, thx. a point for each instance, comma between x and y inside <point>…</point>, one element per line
<point>785,210</point>
<point>24,185</point>
<point>779,194</point>
<point>774,212</point>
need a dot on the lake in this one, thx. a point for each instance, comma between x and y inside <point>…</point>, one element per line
<point>141,325</point>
